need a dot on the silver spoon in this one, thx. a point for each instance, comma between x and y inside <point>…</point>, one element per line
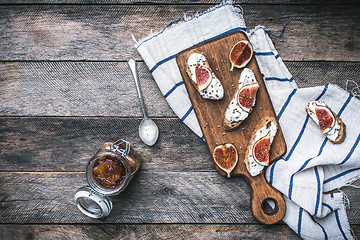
<point>148,130</point>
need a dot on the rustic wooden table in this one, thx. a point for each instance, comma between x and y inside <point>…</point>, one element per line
<point>65,88</point>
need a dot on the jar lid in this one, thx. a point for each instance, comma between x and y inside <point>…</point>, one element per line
<point>91,203</point>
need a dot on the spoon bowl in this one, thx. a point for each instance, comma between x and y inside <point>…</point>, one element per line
<point>148,130</point>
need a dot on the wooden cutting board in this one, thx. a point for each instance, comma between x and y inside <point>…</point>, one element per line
<point>211,113</point>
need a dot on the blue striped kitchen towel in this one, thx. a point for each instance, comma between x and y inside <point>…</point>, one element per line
<point>313,170</point>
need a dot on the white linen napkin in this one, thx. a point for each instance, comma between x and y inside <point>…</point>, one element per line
<point>312,166</point>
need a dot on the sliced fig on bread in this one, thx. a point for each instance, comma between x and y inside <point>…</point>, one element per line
<point>203,77</point>
<point>257,154</point>
<point>331,126</point>
<point>243,101</point>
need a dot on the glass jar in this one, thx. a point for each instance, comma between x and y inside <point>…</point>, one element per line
<point>108,173</point>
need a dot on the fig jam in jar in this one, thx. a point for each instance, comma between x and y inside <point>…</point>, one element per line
<point>108,173</point>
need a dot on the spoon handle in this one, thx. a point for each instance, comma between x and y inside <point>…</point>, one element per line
<point>132,65</point>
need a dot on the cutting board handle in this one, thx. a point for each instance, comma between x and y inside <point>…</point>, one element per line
<point>261,193</point>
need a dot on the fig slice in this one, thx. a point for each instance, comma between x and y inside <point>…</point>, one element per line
<point>226,157</point>
<point>261,150</point>
<point>240,54</point>
<point>246,96</point>
<point>326,118</point>
<point>203,77</point>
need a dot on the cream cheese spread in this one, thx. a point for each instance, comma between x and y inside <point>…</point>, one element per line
<point>254,167</point>
<point>215,90</point>
<point>234,113</point>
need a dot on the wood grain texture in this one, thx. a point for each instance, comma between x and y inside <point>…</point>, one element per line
<point>87,88</point>
<point>210,115</point>
<point>151,197</point>
<point>76,88</point>
<point>308,74</point>
<point>103,32</point>
<point>181,2</point>
<point>146,231</point>
<point>67,144</point>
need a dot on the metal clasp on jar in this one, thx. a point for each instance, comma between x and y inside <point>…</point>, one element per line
<point>123,151</point>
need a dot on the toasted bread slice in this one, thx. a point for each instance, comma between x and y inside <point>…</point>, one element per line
<point>214,90</point>
<point>267,127</point>
<point>235,114</point>
<point>336,133</point>
<point>229,126</point>
<point>342,133</point>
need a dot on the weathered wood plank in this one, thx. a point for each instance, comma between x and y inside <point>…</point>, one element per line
<point>151,197</point>
<point>77,88</point>
<point>93,32</point>
<point>165,2</point>
<point>67,144</point>
<point>158,231</point>
<point>147,231</point>
<point>107,88</point>
<point>309,74</point>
